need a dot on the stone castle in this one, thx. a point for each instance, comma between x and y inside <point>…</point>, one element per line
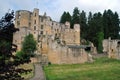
<point>56,43</point>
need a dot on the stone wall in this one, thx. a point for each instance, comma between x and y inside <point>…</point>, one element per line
<point>23,18</point>
<point>112,48</point>
<point>19,36</point>
<point>56,42</point>
<point>71,36</point>
<point>64,54</point>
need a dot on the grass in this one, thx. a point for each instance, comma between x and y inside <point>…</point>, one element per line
<point>101,69</point>
<point>29,74</point>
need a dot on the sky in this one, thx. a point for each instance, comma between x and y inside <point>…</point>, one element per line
<point>55,8</point>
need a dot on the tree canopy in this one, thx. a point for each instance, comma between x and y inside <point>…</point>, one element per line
<point>29,45</point>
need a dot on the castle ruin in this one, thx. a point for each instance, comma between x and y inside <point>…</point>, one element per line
<point>56,43</point>
<point>112,48</point>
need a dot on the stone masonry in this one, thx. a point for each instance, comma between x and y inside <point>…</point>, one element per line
<point>112,48</point>
<point>56,43</point>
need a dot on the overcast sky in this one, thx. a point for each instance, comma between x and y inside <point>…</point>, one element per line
<point>55,8</point>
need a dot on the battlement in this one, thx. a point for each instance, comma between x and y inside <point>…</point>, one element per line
<point>67,24</point>
<point>77,27</point>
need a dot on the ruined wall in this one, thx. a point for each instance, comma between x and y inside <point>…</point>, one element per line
<point>71,36</point>
<point>105,46</point>
<point>44,45</point>
<point>77,34</point>
<point>52,38</point>
<point>61,54</point>
<point>42,25</point>
<point>19,36</point>
<point>112,48</point>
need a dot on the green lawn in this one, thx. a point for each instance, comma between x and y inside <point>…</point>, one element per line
<point>101,69</point>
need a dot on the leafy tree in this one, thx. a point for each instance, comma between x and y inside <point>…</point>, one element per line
<point>29,45</point>
<point>100,37</point>
<point>8,61</point>
<point>22,57</point>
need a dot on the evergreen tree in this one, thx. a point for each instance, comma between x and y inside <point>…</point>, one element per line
<point>83,25</point>
<point>76,17</point>
<point>65,17</point>
<point>95,29</point>
<point>68,17</point>
<point>105,24</point>
<point>111,24</point>
<point>90,17</point>
<point>116,26</point>
<point>89,24</point>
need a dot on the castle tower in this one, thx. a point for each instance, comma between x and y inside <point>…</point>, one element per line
<point>35,19</point>
<point>23,18</point>
<point>23,22</point>
<point>35,23</point>
<point>77,34</point>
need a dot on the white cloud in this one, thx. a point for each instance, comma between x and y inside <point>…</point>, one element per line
<point>55,8</point>
<point>99,5</point>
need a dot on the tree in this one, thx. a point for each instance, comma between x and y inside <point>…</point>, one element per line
<point>90,17</point>
<point>95,26</point>
<point>83,25</point>
<point>76,17</point>
<point>111,24</point>
<point>100,37</point>
<point>29,45</point>
<point>116,29</point>
<point>68,17</point>
<point>65,17</point>
<point>8,61</point>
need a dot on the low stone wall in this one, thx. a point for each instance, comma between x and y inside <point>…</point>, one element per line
<point>59,54</point>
